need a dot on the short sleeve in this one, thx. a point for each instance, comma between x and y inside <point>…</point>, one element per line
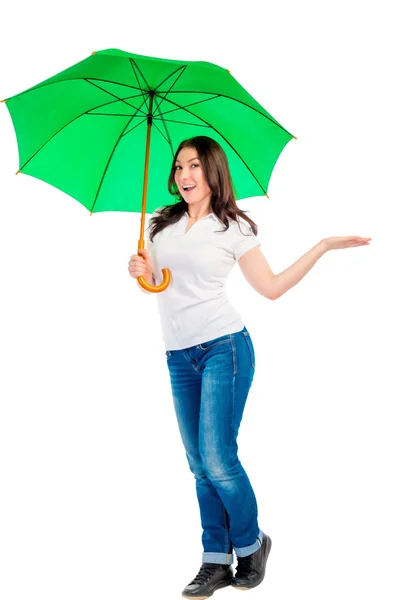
<point>243,238</point>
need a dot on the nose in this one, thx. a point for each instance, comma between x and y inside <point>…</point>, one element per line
<point>185,177</point>
<point>184,173</point>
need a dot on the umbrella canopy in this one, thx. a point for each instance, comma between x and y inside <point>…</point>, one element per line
<point>105,130</point>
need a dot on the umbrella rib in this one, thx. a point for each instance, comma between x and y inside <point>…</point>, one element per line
<point>138,68</point>
<point>92,114</point>
<point>114,101</point>
<point>110,157</point>
<point>182,69</point>
<point>69,123</point>
<point>181,122</point>
<point>191,104</point>
<point>110,93</point>
<point>165,138</point>
<point>159,114</point>
<point>40,85</point>
<point>161,133</point>
<point>165,127</point>
<point>223,137</point>
<point>137,125</point>
<point>229,98</point>
<point>134,66</point>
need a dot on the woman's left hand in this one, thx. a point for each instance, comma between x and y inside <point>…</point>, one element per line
<point>349,241</point>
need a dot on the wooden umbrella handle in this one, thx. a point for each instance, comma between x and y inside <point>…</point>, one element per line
<point>148,286</point>
<point>156,288</point>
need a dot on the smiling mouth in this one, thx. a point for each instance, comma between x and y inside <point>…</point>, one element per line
<point>188,188</point>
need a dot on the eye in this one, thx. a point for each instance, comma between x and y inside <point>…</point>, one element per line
<point>192,165</point>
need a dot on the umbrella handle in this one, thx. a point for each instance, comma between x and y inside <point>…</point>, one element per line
<point>156,288</point>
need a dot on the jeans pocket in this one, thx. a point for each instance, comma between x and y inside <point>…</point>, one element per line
<point>168,354</point>
<point>251,348</point>
<point>215,342</point>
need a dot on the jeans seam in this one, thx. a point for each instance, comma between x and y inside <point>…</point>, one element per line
<point>252,360</point>
<point>234,355</point>
<point>224,512</point>
<point>189,360</point>
<point>232,440</point>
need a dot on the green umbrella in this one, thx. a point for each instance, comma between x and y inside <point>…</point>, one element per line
<point>106,129</point>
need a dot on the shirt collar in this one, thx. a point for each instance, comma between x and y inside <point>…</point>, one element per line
<point>213,215</point>
<point>181,224</point>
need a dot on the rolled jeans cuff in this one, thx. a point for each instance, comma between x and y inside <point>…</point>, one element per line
<point>218,557</point>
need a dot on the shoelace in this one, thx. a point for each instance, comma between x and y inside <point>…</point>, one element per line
<point>244,566</point>
<point>206,571</point>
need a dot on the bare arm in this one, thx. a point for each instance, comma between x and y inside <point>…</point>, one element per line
<point>259,275</point>
<point>292,275</point>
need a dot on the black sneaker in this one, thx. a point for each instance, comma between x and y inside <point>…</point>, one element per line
<point>211,577</point>
<point>251,569</point>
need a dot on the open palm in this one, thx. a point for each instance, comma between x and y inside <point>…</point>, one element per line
<point>349,241</point>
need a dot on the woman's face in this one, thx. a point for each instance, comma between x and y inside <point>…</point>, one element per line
<point>189,173</point>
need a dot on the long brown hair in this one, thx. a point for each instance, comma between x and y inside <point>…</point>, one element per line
<point>216,172</point>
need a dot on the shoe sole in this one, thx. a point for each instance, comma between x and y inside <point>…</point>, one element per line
<point>268,546</point>
<point>219,585</point>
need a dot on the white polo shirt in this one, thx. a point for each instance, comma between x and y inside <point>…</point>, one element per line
<point>195,308</point>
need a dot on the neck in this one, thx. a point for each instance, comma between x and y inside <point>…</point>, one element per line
<point>199,215</point>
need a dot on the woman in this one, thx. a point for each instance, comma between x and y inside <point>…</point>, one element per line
<point>209,351</point>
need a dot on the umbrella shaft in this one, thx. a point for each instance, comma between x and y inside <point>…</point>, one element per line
<point>146,165</point>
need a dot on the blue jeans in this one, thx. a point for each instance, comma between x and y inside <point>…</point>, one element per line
<point>210,383</point>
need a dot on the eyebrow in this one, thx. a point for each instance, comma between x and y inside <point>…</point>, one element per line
<point>195,158</point>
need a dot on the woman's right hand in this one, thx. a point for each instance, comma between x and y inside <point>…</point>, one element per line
<point>140,266</point>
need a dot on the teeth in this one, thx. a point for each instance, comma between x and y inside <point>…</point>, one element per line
<point>188,187</point>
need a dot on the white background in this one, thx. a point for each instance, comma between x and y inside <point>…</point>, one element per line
<point>97,500</point>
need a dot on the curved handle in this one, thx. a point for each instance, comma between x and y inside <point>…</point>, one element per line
<point>156,288</point>
<point>166,273</point>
